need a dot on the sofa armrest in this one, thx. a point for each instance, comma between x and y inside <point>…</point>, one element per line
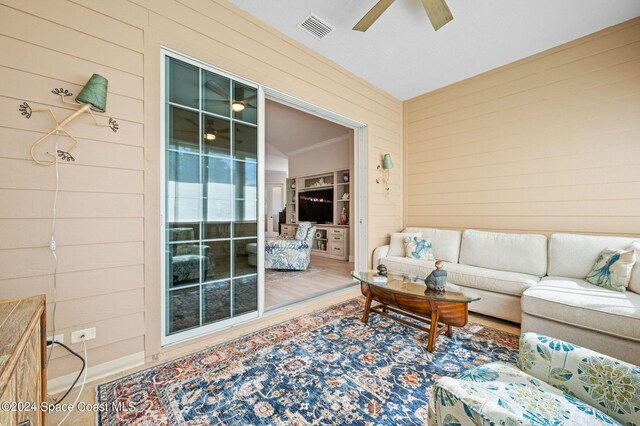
<point>582,373</point>
<point>454,403</point>
<point>379,253</point>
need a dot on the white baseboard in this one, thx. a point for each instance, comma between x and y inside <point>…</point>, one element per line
<point>62,383</point>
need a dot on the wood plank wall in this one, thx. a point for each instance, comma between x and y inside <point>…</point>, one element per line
<point>108,209</point>
<point>547,144</point>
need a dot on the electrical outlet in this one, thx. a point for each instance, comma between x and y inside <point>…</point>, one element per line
<point>57,338</point>
<point>88,333</point>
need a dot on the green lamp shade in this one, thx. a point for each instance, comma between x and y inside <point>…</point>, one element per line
<point>386,162</point>
<point>95,93</point>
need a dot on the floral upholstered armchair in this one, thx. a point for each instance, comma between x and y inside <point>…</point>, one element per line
<point>290,254</point>
<point>556,383</point>
<point>185,257</point>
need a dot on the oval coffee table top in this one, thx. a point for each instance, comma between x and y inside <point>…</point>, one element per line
<point>415,286</point>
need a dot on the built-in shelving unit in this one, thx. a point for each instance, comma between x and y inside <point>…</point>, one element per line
<point>331,239</point>
<point>291,200</point>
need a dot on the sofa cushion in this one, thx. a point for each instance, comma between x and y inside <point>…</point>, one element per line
<point>634,284</point>
<point>573,255</point>
<point>523,253</point>
<point>445,242</point>
<point>503,282</point>
<point>396,244</point>
<point>576,302</point>
<point>612,269</point>
<point>419,248</point>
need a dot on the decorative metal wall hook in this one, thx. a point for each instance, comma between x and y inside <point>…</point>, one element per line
<point>92,97</point>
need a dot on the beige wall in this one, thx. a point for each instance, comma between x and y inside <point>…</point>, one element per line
<point>549,143</point>
<point>109,206</point>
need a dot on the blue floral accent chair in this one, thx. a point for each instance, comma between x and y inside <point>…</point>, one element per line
<point>185,257</point>
<point>555,383</point>
<point>290,254</point>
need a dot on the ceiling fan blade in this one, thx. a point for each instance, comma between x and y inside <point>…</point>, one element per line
<point>438,12</point>
<point>216,88</point>
<point>188,120</point>
<point>372,15</point>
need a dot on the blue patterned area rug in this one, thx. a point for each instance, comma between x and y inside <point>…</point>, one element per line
<point>324,368</point>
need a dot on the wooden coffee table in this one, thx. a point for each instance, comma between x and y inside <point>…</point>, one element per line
<point>406,296</point>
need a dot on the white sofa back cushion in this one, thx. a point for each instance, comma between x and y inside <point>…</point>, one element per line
<point>445,243</point>
<point>573,255</point>
<point>524,253</point>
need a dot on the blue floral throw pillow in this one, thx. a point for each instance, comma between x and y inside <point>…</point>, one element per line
<point>418,248</point>
<point>612,269</point>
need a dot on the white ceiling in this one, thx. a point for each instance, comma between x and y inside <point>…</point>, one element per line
<point>289,130</point>
<point>404,56</point>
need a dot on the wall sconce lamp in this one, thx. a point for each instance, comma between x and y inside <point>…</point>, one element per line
<point>93,97</point>
<point>387,164</point>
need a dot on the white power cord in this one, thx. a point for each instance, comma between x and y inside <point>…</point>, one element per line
<point>84,380</point>
<point>53,247</point>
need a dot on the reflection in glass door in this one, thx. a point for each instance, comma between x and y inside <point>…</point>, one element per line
<point>210,200</point>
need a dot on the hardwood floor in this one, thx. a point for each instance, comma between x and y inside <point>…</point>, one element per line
<point>324,275</point>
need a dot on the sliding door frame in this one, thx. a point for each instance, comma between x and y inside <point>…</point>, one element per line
<point>202,330</point>
<point>360,152</point>
<point>358,222</point>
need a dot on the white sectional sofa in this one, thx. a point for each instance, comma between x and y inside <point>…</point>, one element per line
<point>497,267</point>
<point>539,283</point>
<point>565,306</point>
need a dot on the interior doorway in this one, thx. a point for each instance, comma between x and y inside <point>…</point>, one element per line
<point>274,200</point>
<point>314,154</point>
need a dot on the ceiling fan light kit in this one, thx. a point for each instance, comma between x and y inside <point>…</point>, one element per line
<point>437,11</point>
<point>237,106</point>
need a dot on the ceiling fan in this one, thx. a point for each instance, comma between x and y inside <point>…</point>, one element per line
<point>437,11</point>
<point>236,105</point>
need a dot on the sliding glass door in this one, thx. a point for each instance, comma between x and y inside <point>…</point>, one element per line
<point>211,199</point>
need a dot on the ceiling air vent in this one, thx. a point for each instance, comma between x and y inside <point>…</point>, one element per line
<point>315,26</point>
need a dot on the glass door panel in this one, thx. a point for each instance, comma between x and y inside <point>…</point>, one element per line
<point>217,135</point>
<point>245,101</point>
<point>216,94</point>
<point>245,291</point>
<point>184,133</point>
<point>182,84</point>
<point>211,198</point>
<point>245,142</point>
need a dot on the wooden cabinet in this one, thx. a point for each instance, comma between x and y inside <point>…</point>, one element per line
<point>288,230</point>
<point>339,243</point>
<point>330,241</point>
<point>23,377</point>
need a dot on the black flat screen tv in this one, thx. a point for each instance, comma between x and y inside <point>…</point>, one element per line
<point>316,205</point>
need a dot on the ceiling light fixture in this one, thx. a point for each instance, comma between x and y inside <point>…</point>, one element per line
<point>210,136</point>
<point>238,106</point>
